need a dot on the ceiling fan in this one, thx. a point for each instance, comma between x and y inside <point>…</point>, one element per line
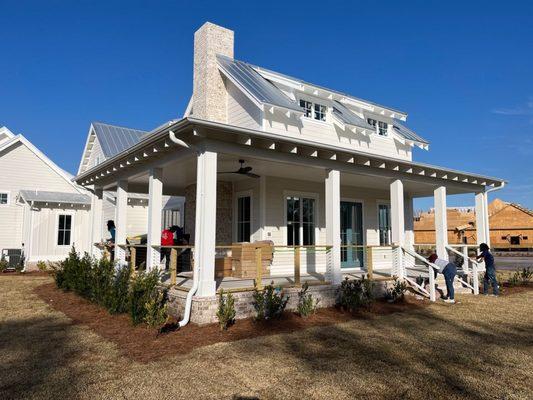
<point>242,171</point>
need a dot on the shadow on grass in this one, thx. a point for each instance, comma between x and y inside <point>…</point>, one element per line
<point>34,359</point>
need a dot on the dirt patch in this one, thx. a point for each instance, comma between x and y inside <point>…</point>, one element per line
<point>142,344</point>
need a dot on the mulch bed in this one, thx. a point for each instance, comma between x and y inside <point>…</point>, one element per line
<point>143,344</point>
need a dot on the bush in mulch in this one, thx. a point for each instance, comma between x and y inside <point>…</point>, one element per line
<point>355,293</point>
<point>113,287</point>
<point>269,303</point>
<point>307,305</point>
<point>396,292</point>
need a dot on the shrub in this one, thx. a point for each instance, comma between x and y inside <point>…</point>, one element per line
<point>156,308</point>
<point>142,291</point>
<point>41,266</point>
<point>526,275</point>
<point>226,310</point>
<point>3,263</point>
<point>355,293</point>
<point>514,279</point>
<point>117,298</point>
<point>269,303</point>
<point>101,281</point>
<point>396,293</point>
<point>306,304</point>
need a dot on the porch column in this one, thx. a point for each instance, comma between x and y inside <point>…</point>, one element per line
<point>481,218</point>
<point>333,224</point>
<point>120,221</point>
<point>96,222</point>
<point>205,224</point>
<point>409,221</point>
<point>155,205</point>
<point>397,216</point>
<point>441,222</point>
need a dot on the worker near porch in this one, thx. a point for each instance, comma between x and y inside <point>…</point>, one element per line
<point>167,239</point>
<point>449,270</point>
<point>490,270</point>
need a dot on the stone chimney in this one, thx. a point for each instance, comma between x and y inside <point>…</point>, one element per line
<point>209,91</point>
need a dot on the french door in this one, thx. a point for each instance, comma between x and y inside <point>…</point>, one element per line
<point>352,234</point>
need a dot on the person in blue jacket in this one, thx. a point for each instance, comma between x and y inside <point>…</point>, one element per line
<point>490,270</point>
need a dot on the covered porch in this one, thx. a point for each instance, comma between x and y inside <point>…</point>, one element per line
<point>263,207</point>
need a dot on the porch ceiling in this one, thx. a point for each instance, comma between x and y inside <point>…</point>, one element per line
<point>270,155</point>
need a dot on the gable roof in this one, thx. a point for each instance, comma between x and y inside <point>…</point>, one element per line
<point>112,140</point>
<point>53,166</point>
<point>5,133</point>
<point>250,81</point>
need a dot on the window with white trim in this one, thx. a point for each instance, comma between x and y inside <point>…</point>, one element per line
<point>383,128</point>
<point>314,110</point>
<point>307,106</point>
<point>4,198</point>
<point>64,230</point>
<point>244,218</point>
<point>301,221</point>
<point>384,224</point>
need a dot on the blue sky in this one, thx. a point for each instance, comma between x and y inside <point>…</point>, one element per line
<point>462,70</point>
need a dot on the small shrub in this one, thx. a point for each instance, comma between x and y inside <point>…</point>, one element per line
<point>226,310</point>
<point>306,304</point>
<point>269,303</point>
<point>142,290</point>
<point>526,275</point>
<point>41,266</point>
<point>396,292</point>
<point>101,281</point>
<point>155,309</point>
<point>355,293</point>
<point>3,263</point>
<point>514,279</point>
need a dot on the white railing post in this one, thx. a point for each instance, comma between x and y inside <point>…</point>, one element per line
<point>475,278</point>
<point>432,295</point>
<point>465,259</point>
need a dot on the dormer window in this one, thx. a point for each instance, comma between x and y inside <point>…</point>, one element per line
<point>314,110</point>
<point>381,127</point>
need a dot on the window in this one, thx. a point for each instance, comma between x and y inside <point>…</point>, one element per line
<point>382,128</point>
<point>243,219</point>
<point>320,112</point>
<point>384,224</point>
<point>314,110</point>
<point>4,198</point>
<point>64,230</point>
<point>307,106</point>
<point>300,221</point>
<point>515,240</point>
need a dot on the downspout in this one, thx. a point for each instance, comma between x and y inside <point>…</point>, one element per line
<point>195,280</point>
<point>486,216</point>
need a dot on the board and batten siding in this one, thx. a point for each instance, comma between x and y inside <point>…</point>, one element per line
<point>241,110</point>
<point>22,169</point>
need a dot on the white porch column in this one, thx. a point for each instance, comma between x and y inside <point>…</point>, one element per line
<point>333,224</point>
<point>481,218</point>
<point>206,215</point>
<point>441,222</point>
<point>397,216</point>
<point>409,221</point>
<point>155,208</point>
<point>96,222</point>
<point>120,221</point>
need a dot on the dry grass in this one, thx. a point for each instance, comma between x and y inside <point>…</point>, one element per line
<point>480,349</point>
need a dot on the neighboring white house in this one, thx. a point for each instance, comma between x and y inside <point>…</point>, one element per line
<point>260,155</point>
<point>42,211</point>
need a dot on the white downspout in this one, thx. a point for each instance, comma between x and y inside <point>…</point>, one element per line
<point>486,216</point>
<point>195,273</point>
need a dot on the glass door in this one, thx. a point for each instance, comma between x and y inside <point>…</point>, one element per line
<point>352,234</point>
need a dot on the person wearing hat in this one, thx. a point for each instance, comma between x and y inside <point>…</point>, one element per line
<point>449,270</point>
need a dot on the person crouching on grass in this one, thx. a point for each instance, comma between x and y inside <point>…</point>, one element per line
<point>449,270</point>
<point>490,270</point>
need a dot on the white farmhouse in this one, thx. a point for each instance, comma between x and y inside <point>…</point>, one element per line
<point>325,177</point>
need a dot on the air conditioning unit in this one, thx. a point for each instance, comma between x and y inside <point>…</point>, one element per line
<point>14,257</point>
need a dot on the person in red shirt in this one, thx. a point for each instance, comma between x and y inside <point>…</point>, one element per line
<point>167,239</point>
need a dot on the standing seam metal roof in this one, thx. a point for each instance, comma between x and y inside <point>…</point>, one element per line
<point>42,196</point>
<point>348,117</point>
<point>115,139</point>
<point>407,133</point>
<point>258,87</point>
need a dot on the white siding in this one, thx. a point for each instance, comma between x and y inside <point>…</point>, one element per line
<point>331,134</point>
<point>43,242</point>
<point>22,169</point>
<point>241,110</point>
<point>96,154</point>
